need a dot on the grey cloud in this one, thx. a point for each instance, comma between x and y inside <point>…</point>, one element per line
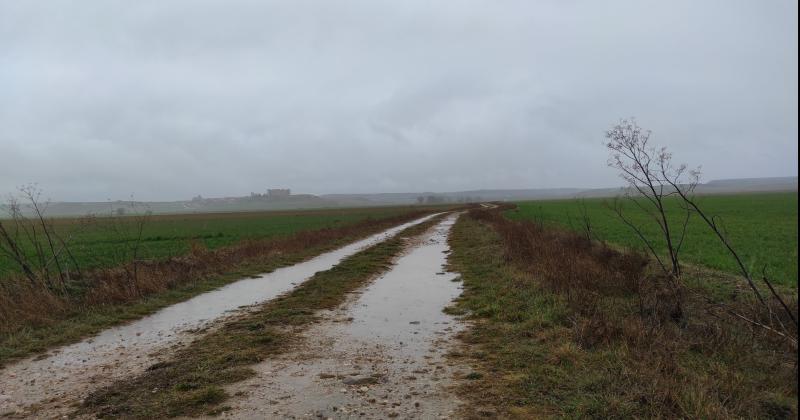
<point>164,100</point>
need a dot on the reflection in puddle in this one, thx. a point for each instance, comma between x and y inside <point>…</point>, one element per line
<point>403,309</point>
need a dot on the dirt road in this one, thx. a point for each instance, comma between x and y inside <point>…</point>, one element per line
<point>49,385</point>
<point>379,356</point>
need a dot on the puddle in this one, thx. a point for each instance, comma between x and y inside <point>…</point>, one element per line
<point>382,355</point>
<point>68,374</point>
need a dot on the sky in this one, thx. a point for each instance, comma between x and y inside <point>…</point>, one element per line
<point>167,99</point>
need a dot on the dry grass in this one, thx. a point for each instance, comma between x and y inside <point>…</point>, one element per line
<point>567,327</point>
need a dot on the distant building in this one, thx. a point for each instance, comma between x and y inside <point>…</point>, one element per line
<point>279,192</point>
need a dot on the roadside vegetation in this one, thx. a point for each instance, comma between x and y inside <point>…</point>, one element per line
<point>763,226</point>
<point>54,298</point>
<point>191,382</point>
<point>565,326</point>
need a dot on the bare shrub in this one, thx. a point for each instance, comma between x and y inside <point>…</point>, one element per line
<point>30,240</point>
<point>127,227</point>
<point>652,179</point>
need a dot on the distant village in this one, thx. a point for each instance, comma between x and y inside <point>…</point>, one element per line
<point>439,199</point>
<point>277,194</point>
<point>272,193</point>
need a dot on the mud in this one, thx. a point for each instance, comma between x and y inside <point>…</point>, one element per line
<point>49,385</point>
<point>379,356</point>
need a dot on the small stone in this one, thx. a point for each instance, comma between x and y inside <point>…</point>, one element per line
<point>487,412</point>
<point>364,380</point>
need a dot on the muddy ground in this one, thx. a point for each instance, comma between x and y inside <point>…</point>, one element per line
<point>50,385</point>
<point>381,355</point>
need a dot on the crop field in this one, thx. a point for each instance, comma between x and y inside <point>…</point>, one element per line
<point>762,227</point>
<point>101,242</point>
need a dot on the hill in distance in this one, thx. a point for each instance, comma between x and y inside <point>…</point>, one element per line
<point>263,202</point>
<point>726,186</point>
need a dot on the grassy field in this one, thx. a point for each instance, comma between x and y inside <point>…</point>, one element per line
<point>763,228</point>
<point>99,243</point>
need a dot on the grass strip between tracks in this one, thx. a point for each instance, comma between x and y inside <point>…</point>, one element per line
<point>191,383</point>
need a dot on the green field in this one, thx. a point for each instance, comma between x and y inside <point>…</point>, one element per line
<point>98,244</point>
<point>762,227</point>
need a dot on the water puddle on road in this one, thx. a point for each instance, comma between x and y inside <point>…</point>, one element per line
<point>48,384</point>
<point>379,356</point>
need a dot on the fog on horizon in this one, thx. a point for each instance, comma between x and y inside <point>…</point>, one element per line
<point>167,100</point>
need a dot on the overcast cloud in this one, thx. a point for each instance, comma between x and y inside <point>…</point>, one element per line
<point>167,99</point>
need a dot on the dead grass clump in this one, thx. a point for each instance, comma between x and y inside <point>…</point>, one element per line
<point>21,303</point>
<point>593,331</point>
<point>566,262</point>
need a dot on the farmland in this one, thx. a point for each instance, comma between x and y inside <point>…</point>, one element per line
<point>762,227</point>
<point>99,242</point>
<point>34,318</point>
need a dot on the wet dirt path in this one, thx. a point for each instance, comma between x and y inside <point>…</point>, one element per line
<point>48,385</point>
<point>381,355</point>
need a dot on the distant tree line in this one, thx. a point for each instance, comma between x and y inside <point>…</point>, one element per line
<point>440,199</point>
